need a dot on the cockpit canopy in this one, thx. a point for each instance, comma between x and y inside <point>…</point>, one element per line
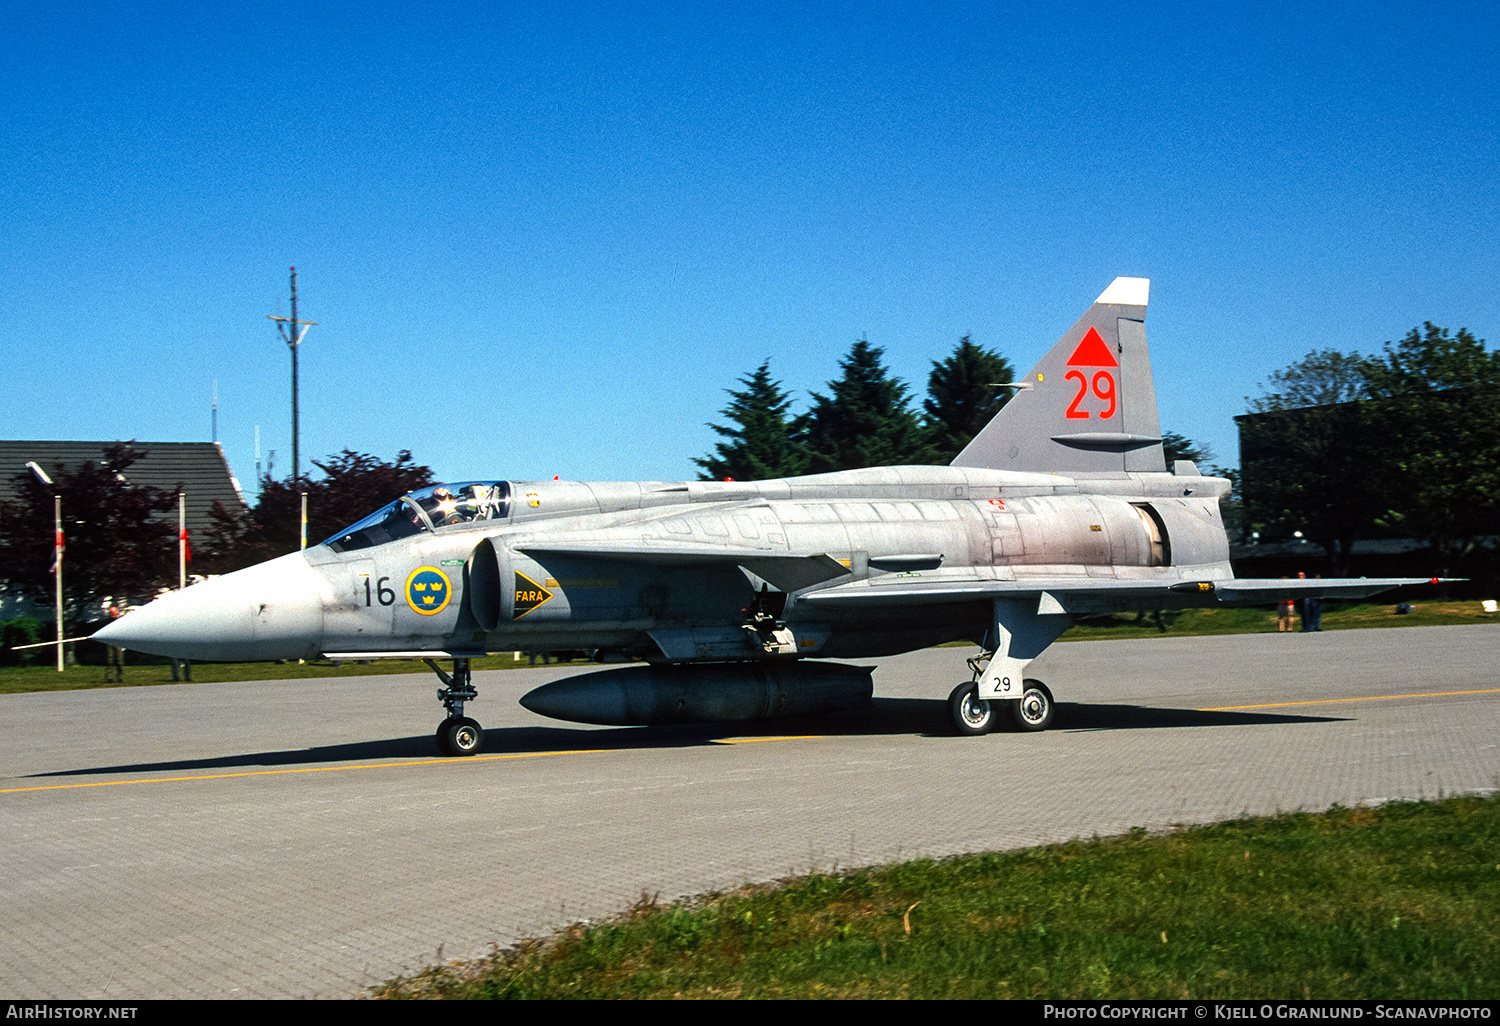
<point>427,509</point>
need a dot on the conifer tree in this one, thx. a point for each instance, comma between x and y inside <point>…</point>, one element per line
<point>761,443</point>
<point>865,420</point>
<point>962,397</point>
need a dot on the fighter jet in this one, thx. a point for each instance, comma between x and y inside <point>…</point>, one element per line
<point>729,596</point>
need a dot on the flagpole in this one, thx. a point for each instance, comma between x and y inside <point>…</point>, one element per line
<point>57,548</point>
<point>57,541</point>
<point>181,541</point>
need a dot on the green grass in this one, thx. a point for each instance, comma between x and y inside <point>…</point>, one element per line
<point>1398,901</point>
<point>1183,623</point>
<point>17,679</point>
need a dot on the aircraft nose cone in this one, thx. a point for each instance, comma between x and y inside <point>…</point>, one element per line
<point>270,611</point>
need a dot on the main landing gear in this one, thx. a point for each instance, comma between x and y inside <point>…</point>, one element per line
<point>457,735</point>
<point>973,716</point>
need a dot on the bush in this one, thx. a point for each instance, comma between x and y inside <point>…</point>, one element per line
<point>23,630</point>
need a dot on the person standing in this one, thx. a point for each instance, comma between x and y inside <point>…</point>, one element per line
<point>1312,612</point>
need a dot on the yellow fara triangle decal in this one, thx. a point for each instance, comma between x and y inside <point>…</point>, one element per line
<point>529,595</point>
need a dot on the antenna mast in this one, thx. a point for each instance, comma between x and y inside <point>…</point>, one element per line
<point>292,335</point>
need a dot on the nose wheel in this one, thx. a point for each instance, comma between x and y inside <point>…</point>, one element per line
<point>458,734</point>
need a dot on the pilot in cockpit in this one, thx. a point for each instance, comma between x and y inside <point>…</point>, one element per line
<point>441,508</point>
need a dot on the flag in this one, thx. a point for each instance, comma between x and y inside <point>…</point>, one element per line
<point>57,552</point>
<point>187,550</point>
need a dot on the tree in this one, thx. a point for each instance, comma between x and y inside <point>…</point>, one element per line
<point>1310,463</point>
<point>1180,447</point>
<point>1405,440</point>
<point>120,541</point>
<point>353,486</point>
<point>962,397</point>
<point>1438,395</point>
<point>865,421</point>
<point>762,444</point>
<point>1321,378</point>
<point>357,484</point>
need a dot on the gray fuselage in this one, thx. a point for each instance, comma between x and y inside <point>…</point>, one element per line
<point>651,570</point>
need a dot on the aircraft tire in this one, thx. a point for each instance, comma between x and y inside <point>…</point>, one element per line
<point>440,737</point>
<point>459,735</point>
<point>971,717</point>
<point>1034,710</point>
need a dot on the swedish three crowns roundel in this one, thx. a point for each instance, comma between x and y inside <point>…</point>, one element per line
<point>428,590</point>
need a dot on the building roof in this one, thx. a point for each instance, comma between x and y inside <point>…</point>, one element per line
<point>198,468</point>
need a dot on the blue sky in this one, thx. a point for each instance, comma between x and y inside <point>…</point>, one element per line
<point>544,239</point>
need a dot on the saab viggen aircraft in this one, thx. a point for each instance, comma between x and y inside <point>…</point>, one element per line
<point>731,596</point>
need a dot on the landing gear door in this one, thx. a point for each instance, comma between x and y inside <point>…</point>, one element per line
<point>1021,629</point>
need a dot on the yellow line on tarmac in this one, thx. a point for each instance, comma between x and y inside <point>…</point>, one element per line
<point>1371,698</point>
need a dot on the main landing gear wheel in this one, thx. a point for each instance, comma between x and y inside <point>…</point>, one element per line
<point>1034,710</point>
<point>971,717</point>
<point>459,735</point>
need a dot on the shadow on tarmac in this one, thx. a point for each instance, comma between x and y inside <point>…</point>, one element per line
<point>919,717</point>
<point>929,718</point>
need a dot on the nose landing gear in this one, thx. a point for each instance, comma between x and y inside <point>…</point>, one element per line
<point>458,734</point>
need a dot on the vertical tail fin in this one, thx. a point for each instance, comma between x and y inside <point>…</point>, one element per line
<point>1089,406</point>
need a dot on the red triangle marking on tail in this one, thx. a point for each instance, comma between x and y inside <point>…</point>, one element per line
<point>1092,352</point>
